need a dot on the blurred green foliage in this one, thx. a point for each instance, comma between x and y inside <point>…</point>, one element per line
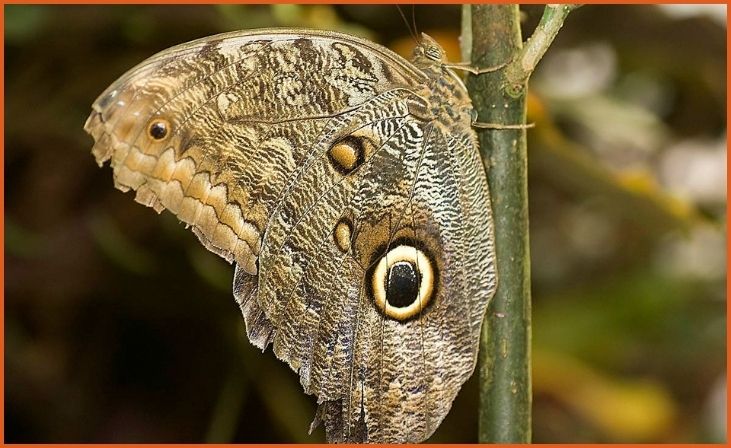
<point>120,327</point>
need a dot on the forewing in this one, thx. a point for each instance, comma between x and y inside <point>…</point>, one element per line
<point>243,111</point>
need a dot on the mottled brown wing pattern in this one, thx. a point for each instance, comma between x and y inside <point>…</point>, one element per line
<point>345,184</point>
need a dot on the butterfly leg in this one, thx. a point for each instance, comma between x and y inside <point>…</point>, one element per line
<point>498,126</point>
<point>468,67</point>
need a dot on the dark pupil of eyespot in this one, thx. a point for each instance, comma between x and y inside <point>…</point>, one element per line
<point>403,285</point>
<point>158,130</point>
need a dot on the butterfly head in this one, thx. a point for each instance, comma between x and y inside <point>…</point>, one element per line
<point>428,52</point>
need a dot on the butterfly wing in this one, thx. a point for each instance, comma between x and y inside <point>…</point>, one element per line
<point>312,160</point>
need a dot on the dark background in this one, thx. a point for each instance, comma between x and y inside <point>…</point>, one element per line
<point>120,327</point>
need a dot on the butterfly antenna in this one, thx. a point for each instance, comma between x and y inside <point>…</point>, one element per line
<point>413,20</point>
<point>412,33</point>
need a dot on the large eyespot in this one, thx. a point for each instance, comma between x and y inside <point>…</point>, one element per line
<point>403,282</point>
<point>159,129</point>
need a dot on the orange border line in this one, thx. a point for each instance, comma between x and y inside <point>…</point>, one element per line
<point>194,2</point>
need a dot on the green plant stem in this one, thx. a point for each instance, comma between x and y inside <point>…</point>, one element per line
<point>491,37</point>
<point>504,360</point>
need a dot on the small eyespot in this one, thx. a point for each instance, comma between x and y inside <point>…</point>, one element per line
<point>349,153</point>
<point>159,129</point>
<point>342,234</point>
<point>403,282</point>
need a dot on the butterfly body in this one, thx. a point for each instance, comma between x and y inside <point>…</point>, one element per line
<point>345,184</point>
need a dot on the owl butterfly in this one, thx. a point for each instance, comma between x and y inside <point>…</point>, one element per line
<point>344,183</point>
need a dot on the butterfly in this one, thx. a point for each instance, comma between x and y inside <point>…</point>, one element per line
<point>344,183</point>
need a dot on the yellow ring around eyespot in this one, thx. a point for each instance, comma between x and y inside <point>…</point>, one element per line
<point>408,254</point>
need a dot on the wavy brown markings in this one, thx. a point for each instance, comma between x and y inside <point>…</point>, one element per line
<point>297,252</point>
<point>399,350</point>
<point>332,343</point>
<point>332,130</point>
<point>325,116</point>
<point>212,92</point>
<point>262,190</point>
<point>452,313</point>
<point>428,320</point>
<point>467,198</point>
<point>275,160</point>
<point>446,178</point>
<point>307,53</point>
<point>329,254</point>
<point>355,338</point>
<point>239,55</point>
<point>187,89</point>
<point>211,52</point>
<point>468,194</point>
<point>308,294</point>
<point>312,129</point>
<point>160,59</point>
<point>479,209</point>
<point>182,127</point>
<point>335,95</point>
<point>267,93</point>
<point>293,84</point>
<point>317,200</point>
<point>245,289</point>
<point>350,56</point>
<point>351,271</point>
<point>396,227</point>
<point>426,372</point>
<point>296,176</point>
<point>162,62</point>
<point>370,307</point>
<point>351,60</point>
<point>386,323</point>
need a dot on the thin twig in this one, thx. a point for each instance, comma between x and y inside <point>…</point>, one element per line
<point>518,71</point>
